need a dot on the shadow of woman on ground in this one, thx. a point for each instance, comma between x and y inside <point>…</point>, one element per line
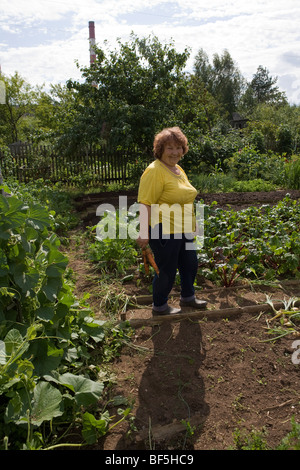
<point>172,408</point>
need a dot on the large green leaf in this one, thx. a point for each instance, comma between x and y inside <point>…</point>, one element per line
<point>45,313</point>
<point>38,217</point>
<point>52,287</point>
<point>45,357</point>
<point>18,407</point>
<point>57,263</point>
<point>26,279</point>
<point>4,231</point>
<point>4,205</point>
<point>14,212</point>
<point>85,390</point>
<point>94,329</point>
<point>47,403</point>
<point>15,345</point>
<point>94,428</point>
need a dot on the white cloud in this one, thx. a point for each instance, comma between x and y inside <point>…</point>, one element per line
<point>21,11</point>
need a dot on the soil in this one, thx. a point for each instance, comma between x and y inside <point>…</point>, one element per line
<point>87,205</point>
<point>199,383</point>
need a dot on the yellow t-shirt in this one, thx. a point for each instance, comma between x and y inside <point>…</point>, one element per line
<point>170,196</point>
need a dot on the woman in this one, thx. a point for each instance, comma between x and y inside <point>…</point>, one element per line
<point>167,221</point>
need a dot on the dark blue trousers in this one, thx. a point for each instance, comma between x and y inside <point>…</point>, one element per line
<point>170,254</point>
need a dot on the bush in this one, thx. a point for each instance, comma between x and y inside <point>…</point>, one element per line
<point>248,164</point>
<point>218,147</point>
<point>285,140</point>
<point>292,174</point>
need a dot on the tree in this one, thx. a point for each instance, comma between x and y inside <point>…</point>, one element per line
<point>21,99</point>
<point>262,89</point>
<point>55,113</point>
<point>129,93</point>
<point>222,78</point>
<point>199,109</point>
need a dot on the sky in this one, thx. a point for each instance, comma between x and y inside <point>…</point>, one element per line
<point>43,39</point>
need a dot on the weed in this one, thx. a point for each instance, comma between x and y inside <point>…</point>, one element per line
<point>255,440</point>
<point>292,440</point>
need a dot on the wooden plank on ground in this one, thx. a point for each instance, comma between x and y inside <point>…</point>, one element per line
<point>210,315</point>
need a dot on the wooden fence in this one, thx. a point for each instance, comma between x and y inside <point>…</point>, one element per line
<point>90,165</point>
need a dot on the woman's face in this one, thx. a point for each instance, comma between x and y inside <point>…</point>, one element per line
<point>172,153</point>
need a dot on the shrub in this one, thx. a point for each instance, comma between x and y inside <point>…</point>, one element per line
<point>248,163</point>
<point>292,174</point>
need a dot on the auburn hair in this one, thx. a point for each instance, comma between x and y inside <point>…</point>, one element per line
<point>170,134</point>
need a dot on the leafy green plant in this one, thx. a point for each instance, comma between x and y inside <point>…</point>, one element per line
<point>257,243</point>
<point>255,440</point>
<point>253,185</point>
<point>94,428</point>
<point>47,337</point>
<point>292,173</point>
<point>113,254</point>
<point>248,164</point>
<point>292,440</point>
<point>213,182</point>
<point>225,182</point>
<point>53,197</point>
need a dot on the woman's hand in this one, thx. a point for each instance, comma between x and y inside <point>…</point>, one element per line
<point>142,242</point>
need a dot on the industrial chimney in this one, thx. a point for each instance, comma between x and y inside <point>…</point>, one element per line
<point>92,41</point>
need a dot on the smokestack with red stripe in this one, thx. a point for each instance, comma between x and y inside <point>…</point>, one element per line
<point>92,42</point>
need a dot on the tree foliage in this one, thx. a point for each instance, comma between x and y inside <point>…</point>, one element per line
<point>129,92</point>
<point>262,89</point>
<point>21,99</point>
<point>222,78</point>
